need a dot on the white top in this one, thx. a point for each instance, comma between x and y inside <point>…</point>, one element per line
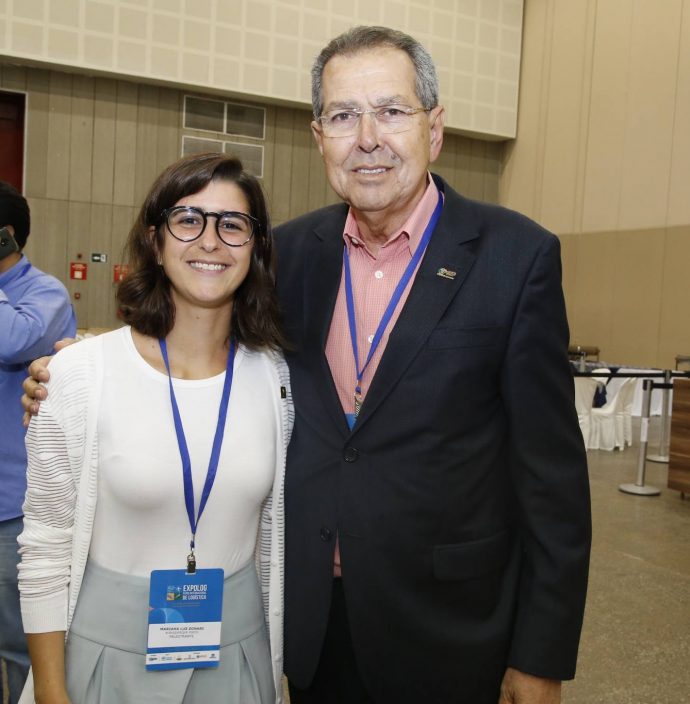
<point>63,447</point>
<point>141,523</point>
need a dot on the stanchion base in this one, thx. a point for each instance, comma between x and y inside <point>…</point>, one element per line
<point>658,458</point>
<point>645,490</point>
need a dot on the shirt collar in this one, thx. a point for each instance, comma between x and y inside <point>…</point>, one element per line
<point>413,227</point>
<point>14,272</point>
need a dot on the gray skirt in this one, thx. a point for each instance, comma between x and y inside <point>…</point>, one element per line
<point>106,647</point>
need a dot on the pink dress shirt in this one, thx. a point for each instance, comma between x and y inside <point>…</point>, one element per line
<point>374,279</point>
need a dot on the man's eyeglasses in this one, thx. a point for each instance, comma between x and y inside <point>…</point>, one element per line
<point>186,224</point>
<point>389,119</point>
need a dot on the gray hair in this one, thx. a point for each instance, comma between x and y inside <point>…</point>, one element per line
<point>363,38</point>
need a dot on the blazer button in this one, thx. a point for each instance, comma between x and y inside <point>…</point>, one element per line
<point>325,534</point>
<point>351,454</point>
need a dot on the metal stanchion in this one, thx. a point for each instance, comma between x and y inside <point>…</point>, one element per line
<point>639,487</point>
<point>665,438</point>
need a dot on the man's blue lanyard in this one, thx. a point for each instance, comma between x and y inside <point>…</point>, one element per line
<point>184,452</point>
<point>388,313</point>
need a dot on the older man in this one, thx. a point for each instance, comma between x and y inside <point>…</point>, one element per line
<point>437,501</point>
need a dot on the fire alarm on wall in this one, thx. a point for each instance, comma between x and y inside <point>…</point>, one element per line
<point>119,272</point>
<point>77,270</point>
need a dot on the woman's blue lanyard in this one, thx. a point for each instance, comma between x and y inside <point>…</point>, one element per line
<point>184,452</point>
<point>388,313</point>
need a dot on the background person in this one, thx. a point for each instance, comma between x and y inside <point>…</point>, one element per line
<point>437,544</point>
<point>106,502</point>
<point>35,312</point>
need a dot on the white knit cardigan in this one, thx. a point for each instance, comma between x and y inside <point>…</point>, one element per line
<point>62,445</point>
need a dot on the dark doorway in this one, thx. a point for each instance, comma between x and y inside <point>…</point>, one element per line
<point>12,113</point>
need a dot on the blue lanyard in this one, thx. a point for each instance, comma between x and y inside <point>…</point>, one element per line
<point>388,313</point>
<point>184,452</point>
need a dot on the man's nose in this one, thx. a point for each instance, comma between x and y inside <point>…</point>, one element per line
<point>368,131</point>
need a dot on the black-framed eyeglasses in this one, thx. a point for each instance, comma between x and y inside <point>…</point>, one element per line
<point>186,223</point>
<point>344,122</point>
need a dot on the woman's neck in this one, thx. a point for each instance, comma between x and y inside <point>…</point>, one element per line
<point>197,345</point>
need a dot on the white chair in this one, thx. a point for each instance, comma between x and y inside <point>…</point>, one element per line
<point>585,388</point>
<point>601,379</point>
<point>624,418</point>
<point>656,406</point>
<point>608,424</point>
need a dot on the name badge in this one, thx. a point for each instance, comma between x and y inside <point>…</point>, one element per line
<point>185,613</point>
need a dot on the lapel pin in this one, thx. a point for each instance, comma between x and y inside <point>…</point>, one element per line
<point>446,273</point>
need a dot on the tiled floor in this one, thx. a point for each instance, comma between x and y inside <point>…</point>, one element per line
<point>636,640</point>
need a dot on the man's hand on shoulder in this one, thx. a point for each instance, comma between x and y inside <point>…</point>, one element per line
<point>520,688</point>
<point>34,391</point>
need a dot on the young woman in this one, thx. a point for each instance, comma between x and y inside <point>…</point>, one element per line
<point>158,461</point>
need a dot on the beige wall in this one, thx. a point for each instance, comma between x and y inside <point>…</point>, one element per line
<point>602,158</point>
<point>94,146</point>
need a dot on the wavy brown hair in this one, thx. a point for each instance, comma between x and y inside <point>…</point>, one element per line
<point>144,296</point>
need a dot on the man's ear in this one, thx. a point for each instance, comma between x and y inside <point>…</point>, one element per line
<point>318,135</point>
<point>437,119</point>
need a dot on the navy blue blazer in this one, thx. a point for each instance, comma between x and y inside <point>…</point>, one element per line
<point>461,497</point>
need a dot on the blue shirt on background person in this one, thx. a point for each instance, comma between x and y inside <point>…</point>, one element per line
<point>35,312</point>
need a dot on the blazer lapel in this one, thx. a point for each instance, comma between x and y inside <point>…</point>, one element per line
<point>322,281</point>
<point>446,264</point>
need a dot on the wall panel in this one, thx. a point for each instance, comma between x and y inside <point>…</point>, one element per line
<point>81,133</point>
<point>674,331</point>
<point>104,121</point>
<point>282,164</point>
<point>47,245</point>
<point>269,153</point>
<point>520,181</point>
<point>646,164</point>
<point>14,77</point>
<point>567,94</point>
<point>608,116</point>
<point>38,120</point>
<point>679,186</point>
<point>146,166</point>
<point>99,301</point>
<point>169,124</point>
<point>59,149</point>
<point>592,296</point>
<point>637,297</point>
<point>299,176</point>
<point>126,117</point>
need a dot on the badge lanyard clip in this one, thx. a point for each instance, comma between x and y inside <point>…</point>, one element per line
<point>191,559</point>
